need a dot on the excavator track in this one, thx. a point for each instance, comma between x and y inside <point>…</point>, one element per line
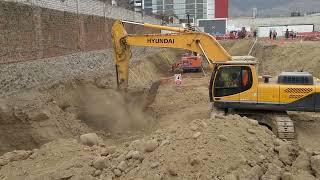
<point>283,126</point>
<point>279,122</point>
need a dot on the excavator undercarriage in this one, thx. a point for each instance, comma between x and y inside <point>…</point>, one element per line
<point>279,122</point>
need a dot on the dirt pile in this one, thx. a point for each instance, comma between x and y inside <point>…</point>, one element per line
<point>239,47</point>
<point>218,148</point>
<point>294,56</point>
<point>277,57</point>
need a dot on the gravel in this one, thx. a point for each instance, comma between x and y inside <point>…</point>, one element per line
<point>26,75</point>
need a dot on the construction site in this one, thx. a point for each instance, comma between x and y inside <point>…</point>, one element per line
<point>86,94</point>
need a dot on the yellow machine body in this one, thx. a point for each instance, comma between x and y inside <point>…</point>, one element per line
<point>260,95</point>
<point>234,84</point>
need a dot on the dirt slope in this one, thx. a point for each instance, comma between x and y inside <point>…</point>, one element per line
<point>293,56</point>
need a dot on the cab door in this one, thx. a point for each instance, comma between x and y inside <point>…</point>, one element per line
<point>248,87</point>
<point>227,84</point>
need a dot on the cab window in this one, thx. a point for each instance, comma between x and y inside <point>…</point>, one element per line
<point>232,80</point>
<point>246,81</point>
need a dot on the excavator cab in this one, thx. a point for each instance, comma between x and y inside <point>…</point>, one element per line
<point>234,81</point>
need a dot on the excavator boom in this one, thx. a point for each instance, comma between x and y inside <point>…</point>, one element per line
<point>199,42</point>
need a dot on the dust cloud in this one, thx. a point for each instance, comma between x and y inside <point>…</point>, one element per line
<point>111,110</point>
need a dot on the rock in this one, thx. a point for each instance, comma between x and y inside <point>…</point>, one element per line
<point>253,122</point>
<point>302,175</point>
<point>277,142</point>
<point>251,131</point>
<point>117,172</point>
<point>134,155</point>
<point>137,145</point>
<point>277,162</point>
<point>102,82</point>
<point>129,155</point>
<point>108,150</point>
<point>165,142</point>
<point>194,161</point>
<point>193,127</point>
<point>204,124</point>
<point>273,173</point>
<point>230,177</point>
<point>315,165</point>
<point>285,154</point>
<point>222,138</point>
<point>253,174</point>
<point>157,177</point>
<point>219,116</point>
<point>302,162</point>
<point>314,152</point>
<point>173,130</point>
<point>122,166</point>
<point>261,158</point>
<point>41,115</point>
<point>137,155</point>
<point>154,165</point>
<point>251,140</point>
<point>196,135</point>
<point>66,174</point>
<point>89,139</point>
<point>286,176</point>
<point>150,145</point>
<point>100,163</point>
<point>172,172</point>
<point>97,173</point>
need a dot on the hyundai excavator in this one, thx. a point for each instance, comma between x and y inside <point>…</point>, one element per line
<point>235,84</point>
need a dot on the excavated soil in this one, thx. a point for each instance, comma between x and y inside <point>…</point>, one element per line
<point>174,137</point>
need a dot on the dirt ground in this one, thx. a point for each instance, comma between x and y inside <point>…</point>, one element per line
<point>175,137</point>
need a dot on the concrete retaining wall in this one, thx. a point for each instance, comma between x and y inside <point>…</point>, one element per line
<point>32,32</point>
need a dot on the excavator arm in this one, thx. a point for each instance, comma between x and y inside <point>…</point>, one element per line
<point>199,42</point>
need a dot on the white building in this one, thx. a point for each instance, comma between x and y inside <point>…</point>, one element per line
<point>198,9</point>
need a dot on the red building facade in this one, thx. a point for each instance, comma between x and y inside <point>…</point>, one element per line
<point>221,8</point>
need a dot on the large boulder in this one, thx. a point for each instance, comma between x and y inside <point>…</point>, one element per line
<point>151,145</point>
<point>89,139</point>
<point>287,153</point>
<point>302,162</point>
<point>100,163</point>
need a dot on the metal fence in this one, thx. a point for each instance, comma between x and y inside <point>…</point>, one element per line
<point>90,7</point>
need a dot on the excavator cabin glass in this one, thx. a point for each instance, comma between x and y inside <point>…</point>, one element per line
<point>232,80</point>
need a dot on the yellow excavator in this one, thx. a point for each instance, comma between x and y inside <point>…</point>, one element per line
<point>234,83</point>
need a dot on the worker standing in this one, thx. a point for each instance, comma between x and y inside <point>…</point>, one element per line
<point>270,34</point>
<point>287,34</point>
<point>274,35</point>
<point>255,33</point>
